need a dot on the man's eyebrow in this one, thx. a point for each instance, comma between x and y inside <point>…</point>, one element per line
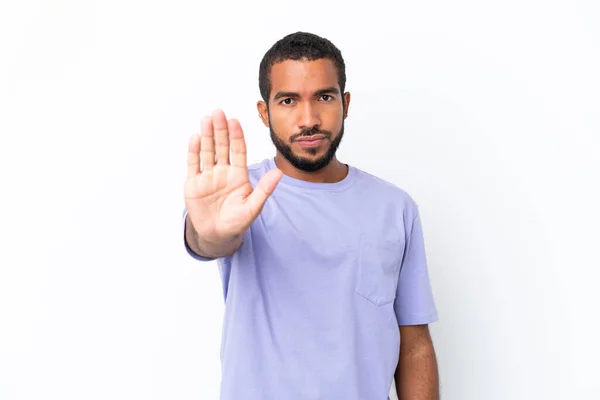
<point>280,95</point>
<point>329,90</point>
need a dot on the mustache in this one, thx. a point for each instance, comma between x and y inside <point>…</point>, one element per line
<point>311,132</point>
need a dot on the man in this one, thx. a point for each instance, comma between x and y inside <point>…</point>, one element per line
<point>323,265</point>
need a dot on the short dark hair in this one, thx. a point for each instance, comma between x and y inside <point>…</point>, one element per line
<point>297,46</point>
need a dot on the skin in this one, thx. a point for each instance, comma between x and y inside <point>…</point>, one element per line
<point>305,95</point>
<point>416,376</point>
<point>305,100</point>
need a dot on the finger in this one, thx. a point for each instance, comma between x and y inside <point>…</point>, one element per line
<point>221,137</point>
<point>193,157</point>
<point>263,190</point>
<point>207,144</point>
<point>238,144</point>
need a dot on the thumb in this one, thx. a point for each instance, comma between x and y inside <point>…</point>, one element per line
<point>263,190</point>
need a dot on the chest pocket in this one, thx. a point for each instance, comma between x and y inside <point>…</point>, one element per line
<point>378,269</point>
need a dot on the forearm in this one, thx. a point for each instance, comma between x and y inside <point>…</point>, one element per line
<point>208,249</point>
<point>417,374</point>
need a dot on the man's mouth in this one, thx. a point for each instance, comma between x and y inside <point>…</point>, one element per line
<point>311,141</point>
<point>312,138</point>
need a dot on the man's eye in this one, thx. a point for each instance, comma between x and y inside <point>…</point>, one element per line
<point>287,101</point>
<point>326,97</point>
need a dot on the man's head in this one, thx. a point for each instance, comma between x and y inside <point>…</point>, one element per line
<point>302,79</point>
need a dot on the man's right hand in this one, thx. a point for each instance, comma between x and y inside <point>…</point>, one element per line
<point>219,198</point>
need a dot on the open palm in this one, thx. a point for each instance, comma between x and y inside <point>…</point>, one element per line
<point>219,198</point>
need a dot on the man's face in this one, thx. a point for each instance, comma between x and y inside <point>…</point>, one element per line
<point>306,112</point>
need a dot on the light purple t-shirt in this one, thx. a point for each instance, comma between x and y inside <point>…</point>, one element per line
<point>315,294</point>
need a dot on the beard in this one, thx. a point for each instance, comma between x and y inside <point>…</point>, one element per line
<point>302,163</point>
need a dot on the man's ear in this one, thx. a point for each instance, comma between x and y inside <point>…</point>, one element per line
<point>346,104</point>
<point>263,112</point>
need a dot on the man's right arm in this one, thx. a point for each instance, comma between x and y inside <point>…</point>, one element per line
<point>218,189</point>
<point>206,250</point>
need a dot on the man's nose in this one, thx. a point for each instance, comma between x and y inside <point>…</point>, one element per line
<point>309,117</point>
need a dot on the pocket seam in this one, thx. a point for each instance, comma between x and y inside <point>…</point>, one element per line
<point>386,246</point>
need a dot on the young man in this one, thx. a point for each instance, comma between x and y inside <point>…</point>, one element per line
<point>323,265</point>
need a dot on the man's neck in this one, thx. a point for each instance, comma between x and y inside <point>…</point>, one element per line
<point>334,172</point>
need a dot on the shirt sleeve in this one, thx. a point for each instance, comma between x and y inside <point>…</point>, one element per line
<point>414,303</point>
<point>187,247</point>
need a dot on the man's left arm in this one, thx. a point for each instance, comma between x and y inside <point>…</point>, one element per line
<point>417,376</point>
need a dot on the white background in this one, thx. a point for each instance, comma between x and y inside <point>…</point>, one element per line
<point>487,113</point>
